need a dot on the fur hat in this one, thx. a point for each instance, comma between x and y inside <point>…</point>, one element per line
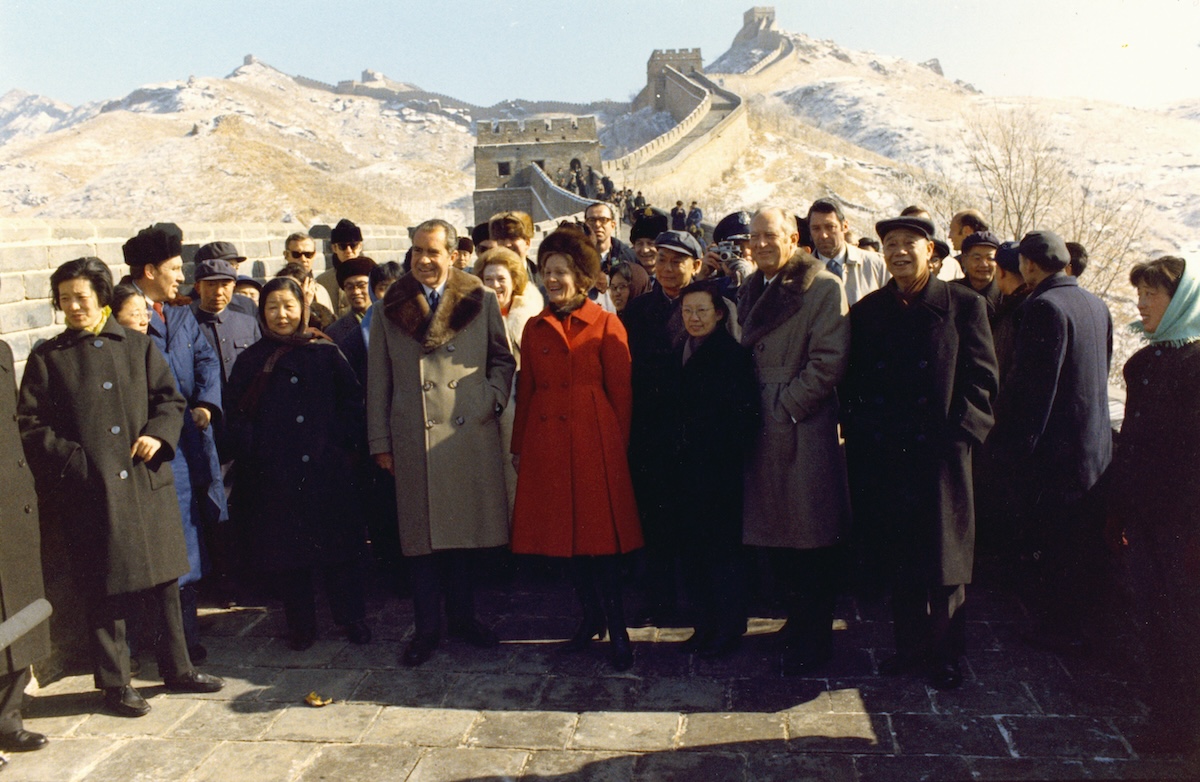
<point>345,232</point>
<point>154,245</point>
<point>355,267</point>
<point>511,225</point>
<point>571,242</point>
<point>648,224</point>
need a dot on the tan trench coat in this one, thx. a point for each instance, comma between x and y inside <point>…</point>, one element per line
<point>436,384</point>
<point>799,333</point>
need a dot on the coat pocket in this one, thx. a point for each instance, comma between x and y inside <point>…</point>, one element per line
<point>161,475</point>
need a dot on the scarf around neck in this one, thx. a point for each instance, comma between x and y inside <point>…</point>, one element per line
<point>1180,324</point>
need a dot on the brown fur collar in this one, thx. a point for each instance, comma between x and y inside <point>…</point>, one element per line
<point>406,306</point>
<point>769,309</point>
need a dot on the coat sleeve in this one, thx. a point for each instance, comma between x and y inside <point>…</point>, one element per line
<point>348,402</point>
<point>379,388</point>
<point>239,426</point>
<point>49,453</point>
<point>207,368</point>
<point>976,374</point>
<point>617,372</point>
<point>1028,394</point>
<point>165,403</point>
<point>526,387</point>
<point>828,352</point>
<point>501,366</point>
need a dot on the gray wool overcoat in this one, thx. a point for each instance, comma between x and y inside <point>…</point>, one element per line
<point>84,399</point>
<point>436,384</point>
<point>799,334</point>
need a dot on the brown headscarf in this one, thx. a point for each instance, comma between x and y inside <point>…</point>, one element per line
<point>303,335</point>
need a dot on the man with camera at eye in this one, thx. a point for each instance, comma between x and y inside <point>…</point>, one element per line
<point>726,260</point>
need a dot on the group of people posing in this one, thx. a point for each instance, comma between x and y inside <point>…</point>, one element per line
<point>778,390</point>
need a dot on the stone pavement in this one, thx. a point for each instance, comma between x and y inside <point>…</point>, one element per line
<point>527,711</point>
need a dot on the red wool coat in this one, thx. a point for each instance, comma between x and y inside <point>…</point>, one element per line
<point>574,403</point>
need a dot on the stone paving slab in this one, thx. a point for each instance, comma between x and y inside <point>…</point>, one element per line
<point>523,730</point>
<point>362,763</point>
<point>151,760</point>
<point>456,765</point>
<point>257,761</point>
<point>645,731</point>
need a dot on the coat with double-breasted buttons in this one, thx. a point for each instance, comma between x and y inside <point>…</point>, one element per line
<point>297,435</point>
<point>20,540</point>
<point>436,383</point>
<point>798,333</point>
<point>574,405</point>
<point>84,399</point>
<point>917,397</point>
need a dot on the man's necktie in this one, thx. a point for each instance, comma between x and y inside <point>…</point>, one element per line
<point>433,300</point>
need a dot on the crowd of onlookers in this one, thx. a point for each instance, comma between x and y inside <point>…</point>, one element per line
<point>681,418</point>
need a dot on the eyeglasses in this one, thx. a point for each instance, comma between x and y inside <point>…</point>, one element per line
<point>598,220</point>
<point>619,286</point>
<point>296,255</point>
<point>356,286</point>
<point>346,245</point>
<point>696,312</point>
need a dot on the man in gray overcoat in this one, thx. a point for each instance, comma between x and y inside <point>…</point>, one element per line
<point>796,505</point>
<point>20,567</point>
<point>439,372</point>
<point>916,399</point>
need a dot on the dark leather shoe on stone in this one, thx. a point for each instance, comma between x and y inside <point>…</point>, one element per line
<point>621,652</point>
<point>583,636</point>
<point>946,675</point>
<point>475,633</point>
<point>125,702</point>
<point>194,681</point>
<point>22,741</point>
<point>419,650</point>
<point>902,663</point>
<point>358,633</point>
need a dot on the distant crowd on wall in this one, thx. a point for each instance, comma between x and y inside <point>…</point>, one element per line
<point>674,419</point>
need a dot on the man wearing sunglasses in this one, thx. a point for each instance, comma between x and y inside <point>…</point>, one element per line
<point>300,248</point>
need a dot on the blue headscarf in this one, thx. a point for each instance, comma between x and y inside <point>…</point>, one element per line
<point>1180,324</point>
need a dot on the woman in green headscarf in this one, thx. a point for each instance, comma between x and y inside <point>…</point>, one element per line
<point>1155,499</point>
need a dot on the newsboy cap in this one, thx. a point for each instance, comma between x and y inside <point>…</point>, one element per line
<point>1046,249</point>
<point>681,242</point>
<point>985,238</point>
<point>223,250</point>
<point>918,224</point>
<point>1008,257</point>
<point>215,269</point>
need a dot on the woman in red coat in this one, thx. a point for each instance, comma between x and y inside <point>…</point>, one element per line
<point>574,402</point>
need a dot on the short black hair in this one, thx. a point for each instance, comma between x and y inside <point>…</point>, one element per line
<point>713,290</point>
<point>1079,258</point>
<point>968,220</point>
<point>1163,272</point>
<point>385,272</point>
<point>825,206</point>
<point>123,293</point>
<point>91,269</point>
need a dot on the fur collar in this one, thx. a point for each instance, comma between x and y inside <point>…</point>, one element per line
<point>766,310</point>
<point>406,306</point>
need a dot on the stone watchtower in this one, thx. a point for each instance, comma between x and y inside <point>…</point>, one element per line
<point>686,61</point>
<point>505,148</point>
<point>758,25</point>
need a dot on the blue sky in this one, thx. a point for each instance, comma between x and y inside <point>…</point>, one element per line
<point>1145,53</point>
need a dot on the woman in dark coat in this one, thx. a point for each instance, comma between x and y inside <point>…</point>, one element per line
<point>20,567</point>
<point>100,418</point>
<point>296,427</point>
<point>1154,498</point>
<point>570,435</point>
<point>717,423</point>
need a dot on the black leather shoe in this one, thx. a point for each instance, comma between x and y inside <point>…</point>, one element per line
<point>420,649</point>
<point>22,741</point>
<point>194,681</point>
<point>902,663</point>
<point>946,675</point>
<point>125,702</point>
<point>587,631</point>
<point>621,653</point>
<point>358,633</point>
<point>475,633</point>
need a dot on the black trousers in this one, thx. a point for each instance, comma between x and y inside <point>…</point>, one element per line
<point>929,620</point>
<point>110,649</point>
<point>450,574</point>
<point>716,587</point>
<point>343,586</point>
<point>12,695</point>
<point>1066,584</point>
<point>810,581</point>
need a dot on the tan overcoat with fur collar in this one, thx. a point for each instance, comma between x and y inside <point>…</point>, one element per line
<point>436,383</point>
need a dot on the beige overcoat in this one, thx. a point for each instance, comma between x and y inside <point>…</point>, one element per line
<point>436,384</point>
<point>798,330</point>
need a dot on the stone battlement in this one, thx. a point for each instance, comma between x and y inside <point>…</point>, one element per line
<point>682,60</point>
<point>763,15</point>
<point>511,131</point>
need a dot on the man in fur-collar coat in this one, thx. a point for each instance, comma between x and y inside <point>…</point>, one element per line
<point>796,503</point>
<point>439,372</point>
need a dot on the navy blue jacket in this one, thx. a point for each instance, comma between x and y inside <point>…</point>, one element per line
<point>347,334</point>
<point>229,332</point>
<point>1053,432</point>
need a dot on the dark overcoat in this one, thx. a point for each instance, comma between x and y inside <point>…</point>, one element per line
<point>84,399</point>
<point>1053,433</point>
<point>297,435</point>
<point>436,383</point>
<point>347,334</point>
<point>20,540</point>
<point>717,424</point>
<point>574,493</point>
<point>798,332</point>
<point>196,465</point>
<point>916,399</point>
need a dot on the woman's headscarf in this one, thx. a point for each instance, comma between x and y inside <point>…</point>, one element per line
<point>304,333</point>
<point>1180,324</point>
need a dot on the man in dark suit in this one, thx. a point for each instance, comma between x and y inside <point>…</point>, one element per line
<point>1053,435</point>
<point>354,280</point>
<point>916,400</point>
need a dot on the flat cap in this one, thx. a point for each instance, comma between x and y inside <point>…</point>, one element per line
<point>223,250</point>
<point>918,224</point>
<point>985,238</point>
<point>681,242</point>
<point>215,269</point>
<point>1008,257</point>
<point>1046,249</point>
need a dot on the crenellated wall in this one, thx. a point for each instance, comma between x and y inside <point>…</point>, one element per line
<point>31,249</point>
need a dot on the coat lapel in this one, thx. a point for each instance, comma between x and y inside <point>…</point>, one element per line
<point>781,299</point>
<point>406,306</point>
